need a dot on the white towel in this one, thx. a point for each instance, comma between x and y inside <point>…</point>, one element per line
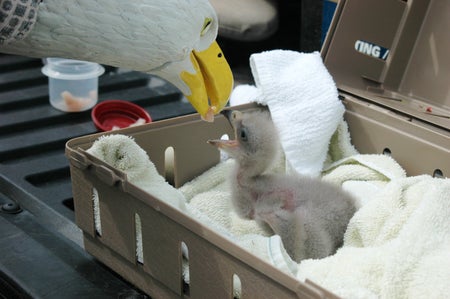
<point>396,246</point>
<point>303,101</point>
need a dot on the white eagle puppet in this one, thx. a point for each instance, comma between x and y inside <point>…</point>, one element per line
<point>173,39</point>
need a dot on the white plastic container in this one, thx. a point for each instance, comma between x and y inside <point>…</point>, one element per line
<point>73,84</point>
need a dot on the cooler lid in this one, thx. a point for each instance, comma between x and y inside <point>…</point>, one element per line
<point>395,54</point>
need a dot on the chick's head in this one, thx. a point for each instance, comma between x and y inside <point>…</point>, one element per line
<point>256,139</point>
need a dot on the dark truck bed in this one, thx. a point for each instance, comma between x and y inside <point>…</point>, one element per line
<point>41,254</point>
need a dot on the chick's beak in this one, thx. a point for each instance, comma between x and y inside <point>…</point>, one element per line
<point>212,80</point>
<point>224,144</point>
<point>228,146</point>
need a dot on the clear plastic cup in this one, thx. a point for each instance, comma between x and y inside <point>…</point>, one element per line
<point>73,84</point>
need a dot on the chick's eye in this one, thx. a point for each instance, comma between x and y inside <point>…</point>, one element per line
<point>243,134</point>
<point>206,25</point>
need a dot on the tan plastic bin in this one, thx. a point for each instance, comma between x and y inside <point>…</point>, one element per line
<point>396,103</point>
<point>390,62</point>
<point>213,260</point>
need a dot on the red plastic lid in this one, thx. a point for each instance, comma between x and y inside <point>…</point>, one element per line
<point>117,114</point>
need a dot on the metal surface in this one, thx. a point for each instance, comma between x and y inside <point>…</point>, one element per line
<point>34,173</point>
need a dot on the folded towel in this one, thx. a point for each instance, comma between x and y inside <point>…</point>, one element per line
<point>303,101</point>
<point>340,145</point>
<point>243,94</point>
<point>213,178</point>
<point>396,246</point>
<point>363,175</point>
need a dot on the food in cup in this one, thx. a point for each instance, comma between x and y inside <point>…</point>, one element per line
<point>74,104</point>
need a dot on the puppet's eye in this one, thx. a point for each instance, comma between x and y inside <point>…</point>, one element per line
<point>206,25</point>
<point>243,134</point>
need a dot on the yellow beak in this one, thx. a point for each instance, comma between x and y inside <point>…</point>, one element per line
<point>212,80</point>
